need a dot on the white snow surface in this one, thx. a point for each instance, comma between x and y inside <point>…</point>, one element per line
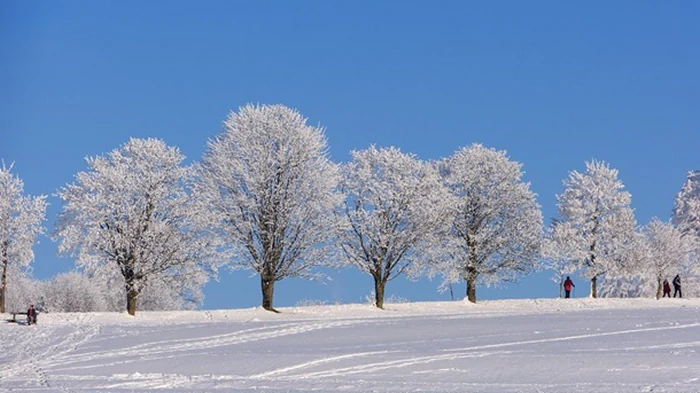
<point>535,345</point>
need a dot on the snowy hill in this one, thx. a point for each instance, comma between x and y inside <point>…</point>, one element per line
<point>542,345</point>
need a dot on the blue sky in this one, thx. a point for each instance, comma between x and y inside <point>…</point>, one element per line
<point>553,83</point>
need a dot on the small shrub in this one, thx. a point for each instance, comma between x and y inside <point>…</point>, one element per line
<point>310,302</point>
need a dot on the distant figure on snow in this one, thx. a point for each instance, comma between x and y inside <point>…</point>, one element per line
<point>677,286</point>
<point>567,286</point>
<point>667,288</point>
<point>31,315</point>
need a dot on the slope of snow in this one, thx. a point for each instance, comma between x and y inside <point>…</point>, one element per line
<point>541,345</point>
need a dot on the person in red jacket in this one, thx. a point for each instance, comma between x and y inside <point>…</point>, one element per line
<point>567,286</point>
<point>667,288</point>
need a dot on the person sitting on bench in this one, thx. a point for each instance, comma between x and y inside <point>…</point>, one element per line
<point>31,315</point>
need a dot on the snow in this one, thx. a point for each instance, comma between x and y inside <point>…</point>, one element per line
<point>535,345</point>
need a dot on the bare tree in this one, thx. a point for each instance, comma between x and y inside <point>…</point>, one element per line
<point>269,187</point>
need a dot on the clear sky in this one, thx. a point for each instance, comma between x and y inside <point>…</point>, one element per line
<point>552,83</point>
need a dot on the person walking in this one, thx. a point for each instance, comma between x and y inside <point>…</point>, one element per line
<point>667,288</point>
<point>568,284</point>
<point>677,286</point>
<point>31,315</point>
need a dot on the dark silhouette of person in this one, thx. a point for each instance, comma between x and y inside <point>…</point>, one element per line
<point>677,286</point>
<point>667,288</point>
<point>31,315</point>
<point>568,284</point>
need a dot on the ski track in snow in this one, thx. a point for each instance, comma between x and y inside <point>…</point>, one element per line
<point>172,347</point>
<point>29,366</point>
<point>37,350</point>
<point>471,352</point>
<point>78,353</point>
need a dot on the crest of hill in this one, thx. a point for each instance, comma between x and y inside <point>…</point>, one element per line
<point>366,311</point>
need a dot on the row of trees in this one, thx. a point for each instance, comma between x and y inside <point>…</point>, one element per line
<point>596,233</point>
<point>266,197</point>
<point>79,292</point>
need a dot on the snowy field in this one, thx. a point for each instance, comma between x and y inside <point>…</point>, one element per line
<point>552,345</point>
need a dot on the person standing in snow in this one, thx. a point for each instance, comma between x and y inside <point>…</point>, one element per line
<point>567,286</point>
<point>677,286</point>
<point>31,315</point>
<point>667,288</point>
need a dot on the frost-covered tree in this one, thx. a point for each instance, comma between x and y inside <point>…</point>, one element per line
<point>668,251</point>
<point>628,285</point>
<point>495,227</point>
<point>130,212</point>
<point>73,292</point>
<point>558,251</point>
<point>598,210</point>
<point>110,282</point>
<point>630,278</point>
<point>21,218</point>
<point>686,213</point>
<point>22,289</point>
<point>269,187</point>
<point>165,295</point>
<point>394,201</point>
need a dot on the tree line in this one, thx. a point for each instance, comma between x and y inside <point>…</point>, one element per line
<point>266,197</point>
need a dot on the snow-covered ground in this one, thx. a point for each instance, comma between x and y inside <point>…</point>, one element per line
<point>544,345</point>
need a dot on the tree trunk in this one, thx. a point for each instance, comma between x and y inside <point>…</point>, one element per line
<point>594,280</point>
<point>268,291</point>
<point>379,286</point>
<point>3,284</point>
<point>471,284</point>
<point>561,286</point>
<point>132,296</point>
<point>659,289</point>
<point>3,288</point>
<point>132,293</point>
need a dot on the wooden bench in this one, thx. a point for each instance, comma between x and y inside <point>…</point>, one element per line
<point>14,315</point>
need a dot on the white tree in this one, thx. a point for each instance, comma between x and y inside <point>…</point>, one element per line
<point>596,207</point>
<point>130,212</point>
<point>686,213</point>
<point>81,291</point>
<point>270,188</point>
<point>23,289</point>
<point>495,227</point>
<point>631,276</point>
<point>393,202</point>
<point>167,295</point>
<point>668,251</point>
<point>627,285</point>
<point>110,282</point>
<point>558,251</point>
<point>21,220</point>
<point>73,292</point>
